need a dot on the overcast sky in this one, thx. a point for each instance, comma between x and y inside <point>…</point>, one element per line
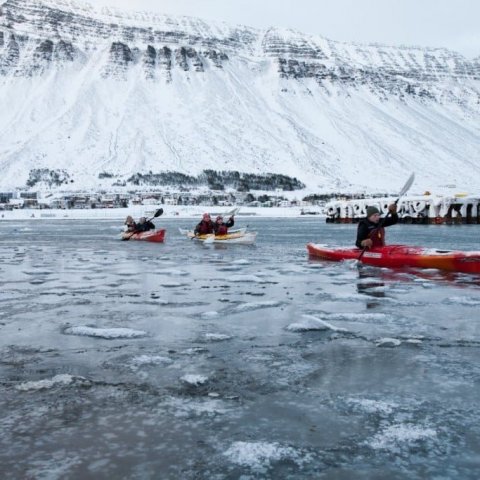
<point>454,24</point>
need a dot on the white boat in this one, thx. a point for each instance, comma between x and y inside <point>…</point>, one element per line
<point>246,238</point>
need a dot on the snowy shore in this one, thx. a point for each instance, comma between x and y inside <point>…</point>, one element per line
<point>169,211</point>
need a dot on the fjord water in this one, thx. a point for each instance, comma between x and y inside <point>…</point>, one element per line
<point>178,360</point>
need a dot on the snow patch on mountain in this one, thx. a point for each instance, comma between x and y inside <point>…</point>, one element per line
<point>90,90</point>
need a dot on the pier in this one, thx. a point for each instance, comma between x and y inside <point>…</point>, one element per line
<point>421,209</point>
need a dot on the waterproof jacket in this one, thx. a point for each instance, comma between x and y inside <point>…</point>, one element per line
<point>222,228</point>
<point>204,227</point>
<point>374,231</point>
<point>145,226</point>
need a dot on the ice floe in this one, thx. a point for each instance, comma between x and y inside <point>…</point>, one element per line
<point>399,435</point>
<point>358,316</point>
<point>348,297</point>
<point>108,333</point>
<point>261,455</point>
<point>473,302</point>
<point>310,322</point>
<point>414,341</point>
<point>388,342</point>
<point>150,360</point>
<point>62,379</point>
<point>202,407</point>
<point>195,380</point>
<point>217,337</point>
<point>194,351</point>
<point>172,271</point>
<point>241,261</point>
<point>248,279</point>
<point>172,284</point>
<point>246,307</point>
<point>373,406</point>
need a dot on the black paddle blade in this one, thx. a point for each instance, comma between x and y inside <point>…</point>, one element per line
<point>158,213</point>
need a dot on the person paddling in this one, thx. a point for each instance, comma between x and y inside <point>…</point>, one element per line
<point>371,229</point>
<point>130,224</point>
<point>206,226</point>
<point>145,225</point>
<point>220,227</point>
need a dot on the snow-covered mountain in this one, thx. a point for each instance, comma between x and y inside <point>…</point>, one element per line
<point>92,91</point>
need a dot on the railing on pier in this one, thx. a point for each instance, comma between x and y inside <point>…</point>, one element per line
<point>422,209</point>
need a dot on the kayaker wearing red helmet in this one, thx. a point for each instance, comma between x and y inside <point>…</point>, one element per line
<point>206,225</point>
<point>220,227</point>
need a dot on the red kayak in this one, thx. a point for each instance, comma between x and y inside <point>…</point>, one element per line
<point>150,236</point>
<point>398,256</point>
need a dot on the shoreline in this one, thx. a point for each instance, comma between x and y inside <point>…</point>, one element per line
<point>174,211</point>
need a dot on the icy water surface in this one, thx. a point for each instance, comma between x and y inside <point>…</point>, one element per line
<point>130,360</point>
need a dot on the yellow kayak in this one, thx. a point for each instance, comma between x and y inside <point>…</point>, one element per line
<point>246,238</point>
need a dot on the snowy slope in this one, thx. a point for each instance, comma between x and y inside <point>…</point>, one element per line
<point>98,90</point>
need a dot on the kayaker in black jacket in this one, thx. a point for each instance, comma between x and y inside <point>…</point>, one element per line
<point>144,225</point>
<point>371,231</point>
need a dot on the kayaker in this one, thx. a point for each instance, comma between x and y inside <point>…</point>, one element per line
<point>206,226</point>
<point>220,227</point>
<point>371,229</point>
<point>145,225</point>
<point>130,224</point>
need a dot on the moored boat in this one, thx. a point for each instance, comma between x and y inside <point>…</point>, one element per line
<point>157,236</point>
<point>401,256</point>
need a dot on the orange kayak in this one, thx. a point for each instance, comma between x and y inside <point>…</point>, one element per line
<point>398,256</point>
<point>150,236</point>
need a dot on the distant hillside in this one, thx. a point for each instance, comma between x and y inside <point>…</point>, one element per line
<point>87,91</point>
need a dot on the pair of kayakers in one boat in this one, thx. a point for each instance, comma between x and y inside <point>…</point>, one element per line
<point>371,229</point>
<point>143,225</point>
<point>207,226</point>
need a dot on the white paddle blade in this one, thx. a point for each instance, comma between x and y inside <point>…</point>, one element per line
<point>407,185</point>
<point>233,212</point>
<point>210,239</point>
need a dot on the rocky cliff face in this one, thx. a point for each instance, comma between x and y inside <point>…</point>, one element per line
<point>36,34</point>
<point>258,90</point>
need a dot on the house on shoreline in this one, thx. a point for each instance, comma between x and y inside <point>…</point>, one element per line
<point>168,197</point>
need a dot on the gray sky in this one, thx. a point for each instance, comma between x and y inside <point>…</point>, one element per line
<point>454,24</point>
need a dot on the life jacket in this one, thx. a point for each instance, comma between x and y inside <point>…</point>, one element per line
<point>378,237</point>
<point>204,228</point>
<point>221,229</point>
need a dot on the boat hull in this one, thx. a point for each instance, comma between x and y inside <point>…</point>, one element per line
<point>156,236</point>
<point>401,256</point>
<point>191,234</point>
<point>231,238</point>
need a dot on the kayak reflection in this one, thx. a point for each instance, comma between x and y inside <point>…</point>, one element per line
<point>371,284</point>
<point>374,281</point>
